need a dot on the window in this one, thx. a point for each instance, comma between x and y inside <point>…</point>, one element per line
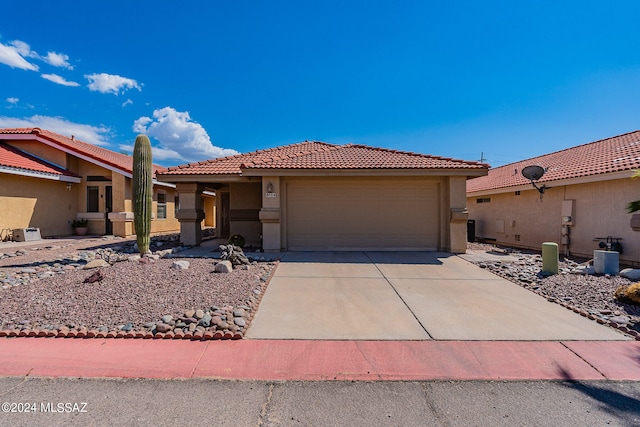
<point>93,199</point>
<point>483,200</point>
<point>162,206</point>
<point>518,193</point>
<point>176,206</point>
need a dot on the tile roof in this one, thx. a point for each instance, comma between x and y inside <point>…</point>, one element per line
<point>616,154</point>
<point>321,155</point>
<point>119,161</point>
<point>13,158</point>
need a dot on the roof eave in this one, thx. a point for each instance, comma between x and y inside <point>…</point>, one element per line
<point>558,183</point>
<point>466,172</point>
<point>41,175</point>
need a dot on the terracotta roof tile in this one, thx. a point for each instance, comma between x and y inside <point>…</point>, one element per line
<point>14,158</point>
<point>111,158</point>
<point>321,155</point>
<point>616,154</point>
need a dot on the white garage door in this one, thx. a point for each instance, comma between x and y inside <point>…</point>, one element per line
<point>361,214</point>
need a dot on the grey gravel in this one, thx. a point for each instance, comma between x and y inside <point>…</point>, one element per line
<point>133,295</point>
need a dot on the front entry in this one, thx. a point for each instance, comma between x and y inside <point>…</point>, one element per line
<point>108,207</point>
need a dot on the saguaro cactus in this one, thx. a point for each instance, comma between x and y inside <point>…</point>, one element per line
<point>142,192</point>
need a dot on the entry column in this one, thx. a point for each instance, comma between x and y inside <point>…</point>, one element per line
<point>190,213</point>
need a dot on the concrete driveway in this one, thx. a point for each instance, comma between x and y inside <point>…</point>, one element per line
<point>407,296</point>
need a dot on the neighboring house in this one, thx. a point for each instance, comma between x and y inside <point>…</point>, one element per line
<point>586,191</point>
<point>320,196</point>
<point>48,180</point>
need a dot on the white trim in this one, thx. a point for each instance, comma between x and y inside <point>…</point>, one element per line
<point>36,174</point>
<point>163,184</point>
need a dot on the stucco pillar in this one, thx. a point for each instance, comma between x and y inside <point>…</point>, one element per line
<point>121,218</point>
<point>270,213</point>
<point>190,214</point>
<point>458,214</point>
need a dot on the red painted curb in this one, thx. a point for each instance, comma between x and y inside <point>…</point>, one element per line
<point>282,360</point>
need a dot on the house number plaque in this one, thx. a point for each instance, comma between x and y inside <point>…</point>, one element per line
<point>271,195</point>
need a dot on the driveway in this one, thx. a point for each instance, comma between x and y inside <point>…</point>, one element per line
<point>407,296</point>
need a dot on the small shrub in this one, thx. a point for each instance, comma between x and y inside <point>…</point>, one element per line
<point>628,294</point>
<point>236,240</point>
<point>79,223</point>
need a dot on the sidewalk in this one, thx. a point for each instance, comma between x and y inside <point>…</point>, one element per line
<point>290,360</point>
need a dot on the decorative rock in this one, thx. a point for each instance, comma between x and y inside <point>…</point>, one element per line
<point>95,277</point>
<point>622,320</point>
<point>224,267</point>
<point>240,322</point>
<point>167,318</point>
<point>630,273</point>
<point>96,263</point>
<point>238,312</point>
<point>206,320</point>
<point>180,265</point>
<point>199,314</point>
<point>189,313</point>
<point>163,327</point>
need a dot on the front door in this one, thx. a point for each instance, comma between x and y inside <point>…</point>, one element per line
<point>108,207</point>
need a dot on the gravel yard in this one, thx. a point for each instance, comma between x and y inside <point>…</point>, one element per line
<point>43,290</point>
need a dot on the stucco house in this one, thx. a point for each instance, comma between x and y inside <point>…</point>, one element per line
<point>586,190</point>
<point>48,180</point>
<point>320,196</point>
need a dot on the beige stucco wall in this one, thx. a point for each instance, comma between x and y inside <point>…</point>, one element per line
<point>35,202</point>
<point>30,202</point>
<point>43,151</point>
<point>599,211</point>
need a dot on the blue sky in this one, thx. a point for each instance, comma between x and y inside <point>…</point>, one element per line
<point>508,79</point>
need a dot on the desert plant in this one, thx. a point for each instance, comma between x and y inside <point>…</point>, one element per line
<point>635,205</point>
<point>142,192</point>
<point>628,294</point>
<point>236,240</point>
<point>79,223</point>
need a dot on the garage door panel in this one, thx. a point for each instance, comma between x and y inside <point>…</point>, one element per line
<point>358,215</point>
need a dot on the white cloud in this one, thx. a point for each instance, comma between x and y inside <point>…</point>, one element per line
<point>24,49</point>
<point>13,56</point>
<point>59,80</point>
<point>58,60</point>
<point>111,83</point>
<point>179,136</point>
<point>12,100</point>
<point>127,102</point>
<point>92,134</point>
<point>158,153</point>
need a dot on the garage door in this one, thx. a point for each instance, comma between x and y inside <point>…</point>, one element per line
<point>361,214</point>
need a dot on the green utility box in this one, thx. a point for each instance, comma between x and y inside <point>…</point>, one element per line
<point>550,257</point>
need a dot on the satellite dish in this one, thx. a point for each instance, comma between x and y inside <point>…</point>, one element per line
<point>533,172</point>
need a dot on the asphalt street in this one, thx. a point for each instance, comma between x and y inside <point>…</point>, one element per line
<point>142,402</point>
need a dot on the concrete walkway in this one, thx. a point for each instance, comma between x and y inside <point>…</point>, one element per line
<point>407,296</point>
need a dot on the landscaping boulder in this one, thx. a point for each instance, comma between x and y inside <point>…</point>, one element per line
<point>631,274</point>
<point>180,265</point>
<point>96,263</point>
<point>234,254</point>
<point>224,267</point>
